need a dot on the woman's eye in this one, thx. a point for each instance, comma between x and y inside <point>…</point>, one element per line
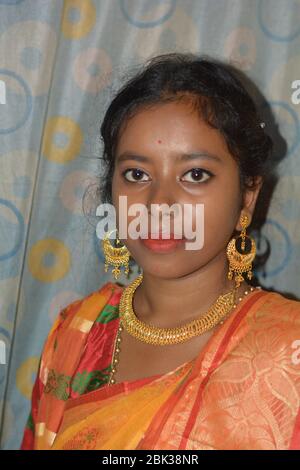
<point>197,175</point>
<point>134,175</point>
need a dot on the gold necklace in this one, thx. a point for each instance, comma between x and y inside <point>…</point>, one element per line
<point>163,336</point>
<point>223,302</point>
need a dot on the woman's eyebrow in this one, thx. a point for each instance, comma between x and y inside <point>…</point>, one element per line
<point>132,156</point>
<point>201,154</point>
<point>183,157</point>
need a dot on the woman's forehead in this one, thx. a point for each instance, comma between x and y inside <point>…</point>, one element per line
<point>173,127</point>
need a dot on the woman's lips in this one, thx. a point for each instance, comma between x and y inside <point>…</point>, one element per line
<point>163,245</point>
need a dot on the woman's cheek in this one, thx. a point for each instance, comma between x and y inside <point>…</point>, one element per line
<point>219,222</point>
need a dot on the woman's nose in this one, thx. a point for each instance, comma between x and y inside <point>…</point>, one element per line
<point>161,193</point>
<point>162,203</point>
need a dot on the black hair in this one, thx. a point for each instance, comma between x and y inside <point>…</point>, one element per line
<point>219,93</point>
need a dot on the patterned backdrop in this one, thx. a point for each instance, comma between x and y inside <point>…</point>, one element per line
<point>60,62</point>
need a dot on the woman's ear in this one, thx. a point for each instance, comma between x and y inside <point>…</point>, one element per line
<point>249,200</point>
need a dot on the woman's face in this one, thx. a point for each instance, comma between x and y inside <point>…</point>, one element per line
<point>164,137</point>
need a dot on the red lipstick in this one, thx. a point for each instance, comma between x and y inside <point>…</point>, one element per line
<point>162,245</point>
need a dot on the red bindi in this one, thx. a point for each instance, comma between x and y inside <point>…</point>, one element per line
<point>159,141</point>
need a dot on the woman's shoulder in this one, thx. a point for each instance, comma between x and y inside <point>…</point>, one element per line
<point>79,316</point>
<point>276,301</point>
<point>87,308</point>
<point>268,337</point>
<point>115,287</point>
<point>275,310</point>
<point>110,291</point>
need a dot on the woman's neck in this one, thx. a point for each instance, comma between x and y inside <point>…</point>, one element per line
<point>161,302</point>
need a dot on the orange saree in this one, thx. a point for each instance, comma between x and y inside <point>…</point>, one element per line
<point>241,392</point>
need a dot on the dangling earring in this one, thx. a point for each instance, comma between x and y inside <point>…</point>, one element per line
<point>115,256</point>
<point>241,252</point>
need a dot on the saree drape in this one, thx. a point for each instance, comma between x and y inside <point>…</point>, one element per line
<point>241,392</point>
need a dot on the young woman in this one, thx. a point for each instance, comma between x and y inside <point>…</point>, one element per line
<point>189,355</point>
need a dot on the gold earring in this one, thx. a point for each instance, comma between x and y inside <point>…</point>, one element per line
<point>241,252</point>
<point>115,255</point>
